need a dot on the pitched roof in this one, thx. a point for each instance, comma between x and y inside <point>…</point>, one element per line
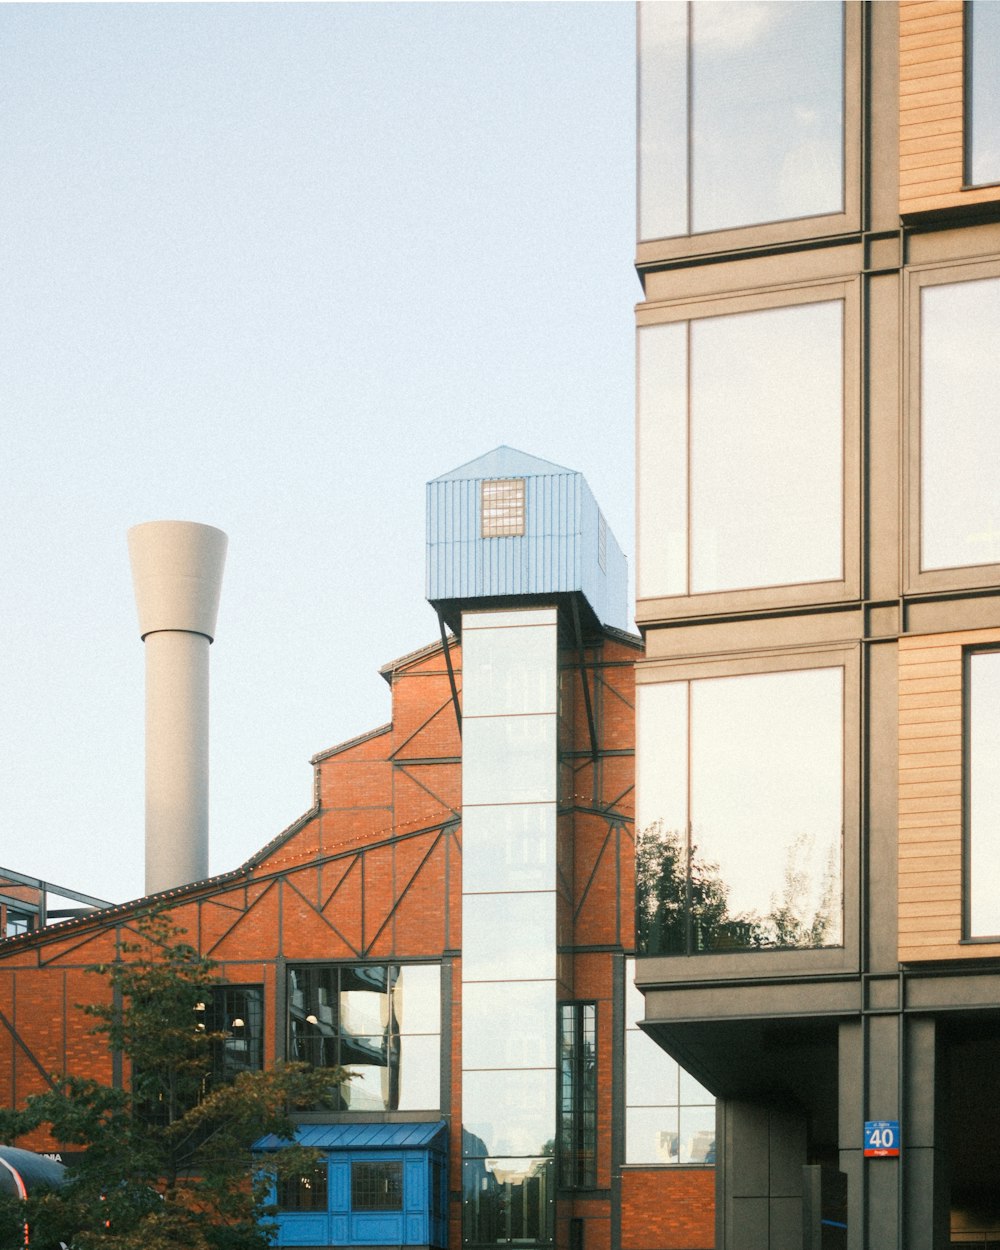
<point>504,461</point>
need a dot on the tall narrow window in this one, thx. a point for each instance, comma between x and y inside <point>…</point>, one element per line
<point>741,114</point>
<point>982,92</point>
<point>983,791</point>
<point>237,1013</point>
<point>959,383</point>
<point>577,1095</point>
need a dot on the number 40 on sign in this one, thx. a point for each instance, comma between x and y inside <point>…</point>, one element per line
<point>881,1139</point>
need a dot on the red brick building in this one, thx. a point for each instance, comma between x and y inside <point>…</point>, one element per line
<point>341,941</point>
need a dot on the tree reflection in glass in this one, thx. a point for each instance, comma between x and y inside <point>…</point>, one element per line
<point>761,867</point>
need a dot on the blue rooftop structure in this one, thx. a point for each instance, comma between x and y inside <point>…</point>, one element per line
<point>509,526</point>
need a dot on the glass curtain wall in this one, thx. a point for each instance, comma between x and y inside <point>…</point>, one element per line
<point>509,896</point>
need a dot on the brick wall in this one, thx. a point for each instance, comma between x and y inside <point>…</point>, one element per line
<point>673,1208</point>
<point>374,871</point>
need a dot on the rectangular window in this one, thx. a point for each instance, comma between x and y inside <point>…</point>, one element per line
<point>305,1192</point>
<point>502,509</point>
<point>959,379</point>
<point>742,451</point>
<point>982,93</point>
<point>382,1021</point>
<point>741,793</point>
<point>508,1200</point>
<point>578,1095</point>
<point>983,793</point>
<point>669,1117</point>
<point>237,1012</point>
<point>741,114</point>
<point>377,1186</point>
<point>15,922</point>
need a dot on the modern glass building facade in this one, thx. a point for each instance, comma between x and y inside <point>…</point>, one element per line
<point>819,593</point>
<point>510,923</point>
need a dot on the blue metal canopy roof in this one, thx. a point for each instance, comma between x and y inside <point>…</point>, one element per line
<point>366,1136</point>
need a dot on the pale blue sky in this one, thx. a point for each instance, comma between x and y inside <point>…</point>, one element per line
<point>273,267</point>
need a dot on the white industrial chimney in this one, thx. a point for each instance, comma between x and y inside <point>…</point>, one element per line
<point>177,574</point>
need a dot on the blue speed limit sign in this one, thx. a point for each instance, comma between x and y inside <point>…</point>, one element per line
<point>882,1139</point>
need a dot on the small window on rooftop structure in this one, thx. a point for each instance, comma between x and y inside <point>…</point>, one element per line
<point>502,507</point>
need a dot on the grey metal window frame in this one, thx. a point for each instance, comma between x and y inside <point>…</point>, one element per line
<point>651,251</point>
<point>577,1157</point>
<point>651,609</point>
<point>656,970</point>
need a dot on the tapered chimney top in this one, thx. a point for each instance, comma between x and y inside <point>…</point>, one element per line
<point>177,575</point>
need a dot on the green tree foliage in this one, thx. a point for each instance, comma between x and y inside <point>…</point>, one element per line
<point>167,1163</point>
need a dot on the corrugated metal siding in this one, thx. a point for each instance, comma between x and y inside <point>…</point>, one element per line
<point>557,553</point>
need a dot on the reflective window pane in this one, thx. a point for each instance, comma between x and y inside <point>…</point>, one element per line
<point>750,129</point>
<point>666,1109</point>
<point>509,670</point>
<point>983,91</point>
<point>767,807</point>
<point>696,1136</point>
<point>508,1200</point>
<point>650,1074</point>
<point>662,487</point>
<point>984,793</point>
<point>509,937</point>
<point>509,1113</point>
<point>767,112</point>
<point>528,1041</point>
<point>741,434</point>
<point>508,759</point>
<point>661,759</point>
<point>339,1015</point>
<point>416,999</point>
<point>418,1082</point>
<point>369,1087</point>
<point>509,846</point>
<point>652,1135</point>
<point>960,379</point>
<point>764,777</point>
<point>766,448</point>
<point>663,186</point>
